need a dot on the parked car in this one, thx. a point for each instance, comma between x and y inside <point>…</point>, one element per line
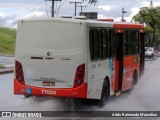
<point>150,53</point>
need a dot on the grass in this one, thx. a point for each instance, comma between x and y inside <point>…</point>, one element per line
<point>7,40</point>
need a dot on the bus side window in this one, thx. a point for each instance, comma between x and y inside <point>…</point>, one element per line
<point>94,44</point>
<point>128,42</point>
<point>111,44</point>
<point>135,42</point>
<point>103,44</point>
<point>131,42</point>
<point>125,45</point>
<point>130,34</point>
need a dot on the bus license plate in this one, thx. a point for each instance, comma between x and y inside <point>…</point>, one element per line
<point>48,83</point>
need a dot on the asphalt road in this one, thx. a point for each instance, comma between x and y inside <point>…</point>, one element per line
<point>145,97</point>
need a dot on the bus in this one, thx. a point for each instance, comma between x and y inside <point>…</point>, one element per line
<point>77,58</point>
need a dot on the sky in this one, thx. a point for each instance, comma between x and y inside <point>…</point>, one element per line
<point>13,10</point>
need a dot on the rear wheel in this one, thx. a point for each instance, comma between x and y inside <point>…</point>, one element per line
<point>104,94</point>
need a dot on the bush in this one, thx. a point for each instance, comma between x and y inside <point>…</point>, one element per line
<point>7,40</point>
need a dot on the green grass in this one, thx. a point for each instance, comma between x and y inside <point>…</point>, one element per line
<point>7,40</point>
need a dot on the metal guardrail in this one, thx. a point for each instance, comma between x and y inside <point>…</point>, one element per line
<point>6,70</point>
<point>6,64</point>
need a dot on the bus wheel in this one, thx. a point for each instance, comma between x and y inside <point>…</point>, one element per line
<point>104,94</point>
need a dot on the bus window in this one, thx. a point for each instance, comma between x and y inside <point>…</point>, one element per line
<point>135,42</point>
<point>103,44</point>
<point>133,33</point>
<point>111,44</point>
<point>128,42</point>
<point>131,42</point>
<point>94,44</point>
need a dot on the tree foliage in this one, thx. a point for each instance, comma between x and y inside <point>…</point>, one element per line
<point>150,17</point>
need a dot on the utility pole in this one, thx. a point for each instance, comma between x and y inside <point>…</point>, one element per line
<point>52,11</point>
<point>75,3</point>
<point>151,4</point>
<point>81,7</point>
<point>123,20</point>
<point>52,15</point>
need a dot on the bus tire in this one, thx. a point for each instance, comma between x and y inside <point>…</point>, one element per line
<point>104,94</point>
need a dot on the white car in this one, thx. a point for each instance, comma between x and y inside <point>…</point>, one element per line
<point>150,53</point>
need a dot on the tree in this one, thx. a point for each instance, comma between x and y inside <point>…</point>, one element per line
<point>150,17</point>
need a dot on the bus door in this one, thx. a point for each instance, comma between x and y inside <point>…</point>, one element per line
<point>119,62</point>
<point>142,54</point>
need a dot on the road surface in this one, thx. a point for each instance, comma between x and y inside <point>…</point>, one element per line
<point>145,97</point>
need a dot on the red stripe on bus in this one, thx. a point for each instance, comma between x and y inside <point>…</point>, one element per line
<point>123,26</point>
<point>79,92</point>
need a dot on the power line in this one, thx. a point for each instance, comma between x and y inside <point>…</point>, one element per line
<point>52,8</point>
<point>75,4</point>
<point>60,5</point>
<point>81,7</point>
<point>46,8</point>
<point>57,11</point>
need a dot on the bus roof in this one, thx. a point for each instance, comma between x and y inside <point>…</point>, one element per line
<point>91,23</point>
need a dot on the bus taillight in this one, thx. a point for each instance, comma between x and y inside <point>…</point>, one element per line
<point>79,77</point>
<point>19,72</point>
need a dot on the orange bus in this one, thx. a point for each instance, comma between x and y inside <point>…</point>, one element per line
<point>73,58</point>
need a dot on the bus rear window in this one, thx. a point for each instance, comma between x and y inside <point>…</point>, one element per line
<point>51,35</point>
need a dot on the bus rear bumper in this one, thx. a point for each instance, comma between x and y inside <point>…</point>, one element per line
<point>79,92</point>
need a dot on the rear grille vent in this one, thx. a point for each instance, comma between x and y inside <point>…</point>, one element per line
<point>49,58</point>
<point>65,59</point>
<point>37,58</point>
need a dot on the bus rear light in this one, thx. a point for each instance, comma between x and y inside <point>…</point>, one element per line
<point>19,72</point>
<point>79,77</point>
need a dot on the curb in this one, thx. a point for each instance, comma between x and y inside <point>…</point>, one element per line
<point>6,55</point>
<point>6,71</point>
